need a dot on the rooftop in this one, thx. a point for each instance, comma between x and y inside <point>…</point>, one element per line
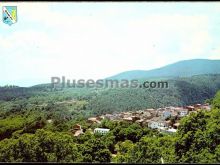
<point>102,129</point>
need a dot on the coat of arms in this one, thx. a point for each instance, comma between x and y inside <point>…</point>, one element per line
<point>9,14</point>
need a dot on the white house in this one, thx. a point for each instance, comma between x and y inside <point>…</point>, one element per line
<point>156,123</point>
<point>166,130</point>
<point>172,130</point>
<point>101,130</point>
<point>153,125</point>
<point>183,112</point>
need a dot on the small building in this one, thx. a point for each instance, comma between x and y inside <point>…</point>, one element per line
<point>101,130</point>
<point>168,123</point>
<point>135,113</point>
<point>134,118</point>
<point>128,119</point>
<point>190,108</point>
<point>126,114</point>
<point>156,123</point>
<point>77,130</point>
<point>171,130</point>
<point>176,125</point>
<point>50,121</point>
<point>174,113</point>
<point>140,112</point>
<point>150,109</point>
<point>167,130</point>
<point>141,121</point>
<point>164,124</point>
<point>145,123</point>
<point>183,112</point>
<point>93,120</point>
<point>147,115</point>
<point>198,106</point>
<point>166,114</point>
<point>77,127</point>
<point>99,118</point>
<point>153,124</point>
<point>77,133</point>
<point>206,107</point>
<point>109,116</point>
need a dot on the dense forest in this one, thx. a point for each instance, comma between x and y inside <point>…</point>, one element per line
<point>26,135</point>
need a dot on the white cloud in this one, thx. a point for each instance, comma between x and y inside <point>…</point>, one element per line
<point>55,43</point>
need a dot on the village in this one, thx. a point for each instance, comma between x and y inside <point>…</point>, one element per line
<point>166,120</point>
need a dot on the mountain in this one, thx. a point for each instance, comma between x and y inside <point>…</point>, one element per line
<point>184,68</point>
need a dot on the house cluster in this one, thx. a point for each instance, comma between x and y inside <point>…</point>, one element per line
<point>164,119</point>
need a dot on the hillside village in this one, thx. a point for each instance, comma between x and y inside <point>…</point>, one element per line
<point>163,119</point>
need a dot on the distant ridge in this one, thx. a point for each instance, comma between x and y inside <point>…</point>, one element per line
<point>184,68</point>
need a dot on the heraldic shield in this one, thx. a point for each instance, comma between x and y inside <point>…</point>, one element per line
<point>9,14</point>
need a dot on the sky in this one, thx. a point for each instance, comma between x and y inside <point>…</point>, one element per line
<point>82,40</point>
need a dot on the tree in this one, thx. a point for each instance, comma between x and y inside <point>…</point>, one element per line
<point>94,150</point>
<point>43,146</point>
<point>146,151</point>
<point>198,137</point>
<point>123,150</point>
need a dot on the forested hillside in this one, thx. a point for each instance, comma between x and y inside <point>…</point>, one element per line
<point>33,139</point>
<point>181,91</point>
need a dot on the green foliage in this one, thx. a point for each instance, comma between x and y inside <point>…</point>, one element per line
<point>123,151</point>
<point>27,136</point>
<point>198,137</point>
<point>181,92</point>
<point>146,151</point>
<point>216,101</point>
<point>43,146</point>
<point>28,123</point>
<point>95,150</point>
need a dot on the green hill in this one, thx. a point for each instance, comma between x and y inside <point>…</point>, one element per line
<point>180,69</point>
<point>181,91</point>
